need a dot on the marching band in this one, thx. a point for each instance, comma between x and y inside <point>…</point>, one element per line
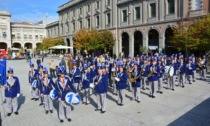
<point>143,72</point>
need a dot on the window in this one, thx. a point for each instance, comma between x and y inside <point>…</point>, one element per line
<point>196,4</point>
<point>25,36</point>
<point>41,36</point>
<point>137,12</point>
<point>97,21</point>
<point>13,36</point>
<point>108,19</point>
<point>36,36</point>
<point>124,13</point>
<point>88,22</point>
<point>153,9</point>
<point>74,26</point>
<point>80,23</point>
<point>97,5</point>
<point>88,8</point>
<point>30,36</point>
<point>80,11</point>
<point>108,2</point>
<point>171,7</point>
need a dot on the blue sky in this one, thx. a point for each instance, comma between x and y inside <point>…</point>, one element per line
<point>32,10</point>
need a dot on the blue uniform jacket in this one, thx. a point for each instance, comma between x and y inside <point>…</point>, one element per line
<point>62,91</point>
<point>101,86</point>
<point>138,81</point>
<point>86,81</point>
<point>76,76</point>
<point>107,78</point>
<point>182,68</point>
<point>189,69</point>
<point>12,89</point>
<point>194,65</point>
<point>123,80</point>
<point>155,75</point>
<point>161,68</point>
<point>146,72</point>
<point>176,67</point>
<point>46,89</point>
<point>32,76</point>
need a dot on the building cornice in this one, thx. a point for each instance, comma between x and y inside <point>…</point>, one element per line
<point>68,5</point>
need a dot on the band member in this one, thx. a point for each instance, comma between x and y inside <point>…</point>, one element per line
<point>189,69</point>
<point>144,72</point>
<point>75,76</point>
<point>47,85</point>
<point>153,77</point>
<point>32,77</point>
<point>106,74</point>
<point>40,76</point>
<point>63,87</point>
<point>171,83</point>
<point>93,73</point>
<point>182,69</point>
<point>12,92</point>
<point>100,89</point>
<point>85,84</point>
<point>194,62</point>
<point>121,84</point>
<point>160,76</point>
<point>136,84</point>
<point>113,75</point>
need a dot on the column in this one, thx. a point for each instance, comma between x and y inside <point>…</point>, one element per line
<point>145,42</point>
<point>161,7</point>
<point>161,42</point>
<point>145,13</point>
<point>71,45</point>
<point>131,45</point>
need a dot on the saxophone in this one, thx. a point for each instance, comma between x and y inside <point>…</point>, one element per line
<point>151,73</point>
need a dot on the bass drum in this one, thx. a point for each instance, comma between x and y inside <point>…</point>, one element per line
<point>72,98</point>
<point>53,94</point>
<point>171,71</point>
<point>166,69</point>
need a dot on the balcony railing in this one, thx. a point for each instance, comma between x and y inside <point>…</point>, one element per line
<point>195,13</point>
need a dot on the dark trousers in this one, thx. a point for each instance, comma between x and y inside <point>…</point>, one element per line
<point>52,73</point>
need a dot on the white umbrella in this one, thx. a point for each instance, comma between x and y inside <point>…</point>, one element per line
<point>15,49</point>
<point>60,47</point>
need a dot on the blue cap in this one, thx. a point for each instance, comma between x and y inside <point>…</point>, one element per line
<point>106,62</point>
<point>45,70</point>
<point>190,58</point>
<point>99,66</point>
<point>103,66</point>
<point>62,69</point>
<point>85,66</point>
<point>175,55</point>
<point>89,64</point>
<point>192,55</point>
<point>180,54</point>
<point>60,63</point>
<point>181,57</point>
<point>159,58</point>
<point>31,64</point>
<point>136,63</point>
<point>74,62</point>
<point>129,56</point>
<point>137,56</point>
<point>204,57</point>
<point>153,59</point>
<point>10,70</point>
<point>114,61</point>
<point>108,58</point>
<point>119,64</point>
<point>165,56</point>
<point>40,66</point>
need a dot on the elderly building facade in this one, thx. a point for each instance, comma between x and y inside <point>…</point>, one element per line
<point>5,36</point>
<point>27,35</point>
<point>134,23</point>
<point>20,34</point>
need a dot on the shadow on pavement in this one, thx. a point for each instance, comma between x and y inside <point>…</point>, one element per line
<point>197,116</point>
<point>21,101</point>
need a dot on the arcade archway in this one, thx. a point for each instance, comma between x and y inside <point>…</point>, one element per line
<point>16,45</point>
<point>125,43</point>
<point>153,36</point>
<point>3,45</point>
<point>138,42</point>
<point>168,41</point>
<point>28,45</point>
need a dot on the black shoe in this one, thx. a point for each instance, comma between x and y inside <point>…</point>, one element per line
<point>86,103</point>
<point>16,113</point>
<point>36,99</point>
<point>61,121</point>
<point>97,109</point>
<point>182,86</point>
<point>46,112</point>
<point>83,102</point>
<point>51,111</point>
<point>172,89</point>
<point>9,114</point>
<point>138,101</point>
<point>190,83</point>
<point>32,98</point>
<point>103,112</point>
<point>153,96</point>
<point>160,92</point>
<point>69,120</point>
<point>143,88</point>
<point>41,104</point>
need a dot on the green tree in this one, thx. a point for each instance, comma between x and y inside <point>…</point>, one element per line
<point>49,42</point>
<point>107,39</point>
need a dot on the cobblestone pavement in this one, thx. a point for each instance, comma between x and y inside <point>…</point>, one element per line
<point>184,106</point>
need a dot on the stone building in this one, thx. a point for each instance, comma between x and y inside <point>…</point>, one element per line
<point>134,23</point>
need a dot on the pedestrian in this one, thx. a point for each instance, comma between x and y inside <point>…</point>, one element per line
<point>52,68</point>
<point>12,92</point>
